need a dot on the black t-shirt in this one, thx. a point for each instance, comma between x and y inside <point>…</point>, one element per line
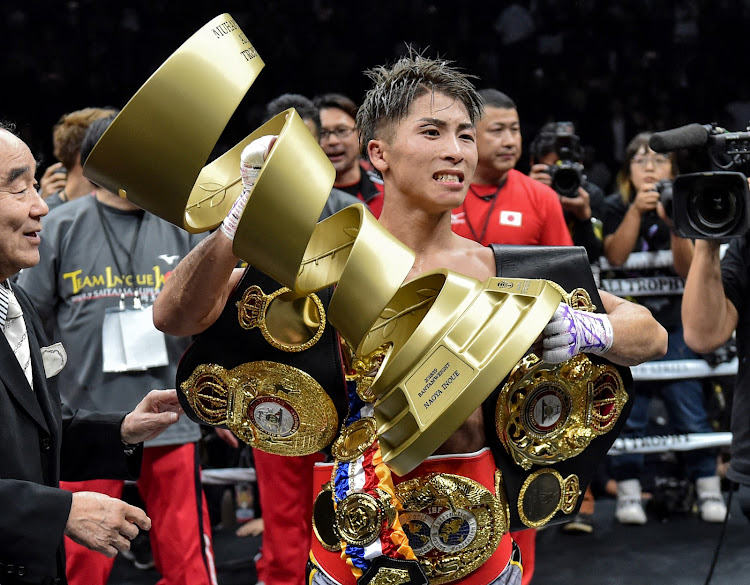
<point>587,233</point>
<point>735,274</point>
<point>653,236</point>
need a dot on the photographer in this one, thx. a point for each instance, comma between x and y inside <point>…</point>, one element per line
<point>555,156</point>
<point>635,221</point>
<point>714,305</point>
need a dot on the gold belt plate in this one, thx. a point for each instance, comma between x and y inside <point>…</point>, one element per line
<point>354,440</point>
<point>544,493</point>
<point>357,520</point>
<point>548,413</point>
<point>292,324</point>
<point>454,524</point>
<point>273,407</point>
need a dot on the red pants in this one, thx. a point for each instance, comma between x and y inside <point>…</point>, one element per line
<point>526,541</point>
<point>180,532</point>
<point>285,486</point>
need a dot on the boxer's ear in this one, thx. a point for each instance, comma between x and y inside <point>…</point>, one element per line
<point>376,151</point>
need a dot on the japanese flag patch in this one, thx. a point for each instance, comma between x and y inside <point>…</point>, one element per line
<point>511,218</point>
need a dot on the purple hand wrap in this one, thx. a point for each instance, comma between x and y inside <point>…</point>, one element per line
<point>571,332</point>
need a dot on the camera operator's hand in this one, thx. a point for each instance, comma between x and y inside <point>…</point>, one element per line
<point>579,206</point>
<point>662,213</point>
<point>539,172</point>
<point>647,198</point>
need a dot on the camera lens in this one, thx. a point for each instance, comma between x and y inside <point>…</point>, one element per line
<point>714,210</point>
<point>566,181</point>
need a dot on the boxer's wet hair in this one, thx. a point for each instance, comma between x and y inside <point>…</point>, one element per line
<point>396,86</point>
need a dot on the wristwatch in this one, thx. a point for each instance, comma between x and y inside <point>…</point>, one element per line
<point>129,448</point>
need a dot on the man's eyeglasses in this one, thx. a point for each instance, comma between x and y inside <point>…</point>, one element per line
<point>340,133</point>
<point>657,160</point>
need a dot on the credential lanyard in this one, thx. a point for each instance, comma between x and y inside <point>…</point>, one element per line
<point>489,213</point>
<point>109,236</point>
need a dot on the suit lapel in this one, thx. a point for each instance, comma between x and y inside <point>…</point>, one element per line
<point>43,395</point>
<point>37,404</point>
<point>15,381</point>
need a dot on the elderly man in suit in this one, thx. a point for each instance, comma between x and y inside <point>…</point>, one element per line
<point>40,440</point>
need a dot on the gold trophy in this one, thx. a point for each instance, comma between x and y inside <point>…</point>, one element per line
<point>449,340</point>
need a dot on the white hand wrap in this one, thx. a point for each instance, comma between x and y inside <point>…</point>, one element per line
<point>571,332</point>
<point>251,162</point>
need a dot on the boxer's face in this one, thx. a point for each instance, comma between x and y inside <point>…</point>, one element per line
<point>428,158</point>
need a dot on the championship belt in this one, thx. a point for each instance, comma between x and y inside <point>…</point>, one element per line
<point>452,510</point>
<point>553,423</point>
<point>289,398</point>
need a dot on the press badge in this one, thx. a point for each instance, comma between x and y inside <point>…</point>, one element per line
<point>130,342</point>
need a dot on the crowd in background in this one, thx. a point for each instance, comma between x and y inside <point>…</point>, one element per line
<point>614,70</point>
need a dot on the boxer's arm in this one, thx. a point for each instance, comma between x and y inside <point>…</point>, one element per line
<point>637,336</point>
<point>196,291</point>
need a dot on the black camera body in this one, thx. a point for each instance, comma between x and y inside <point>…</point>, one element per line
<point>665,188</point>
<point>711,205</point>
<point>567,173</point>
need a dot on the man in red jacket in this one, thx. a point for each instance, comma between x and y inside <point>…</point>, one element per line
<point>504,206</point>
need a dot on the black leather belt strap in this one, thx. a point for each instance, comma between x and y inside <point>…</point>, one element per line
<point>569,267</point>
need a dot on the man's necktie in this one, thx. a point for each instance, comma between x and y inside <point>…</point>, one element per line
<point>4,300</point>
<point>14,328</point>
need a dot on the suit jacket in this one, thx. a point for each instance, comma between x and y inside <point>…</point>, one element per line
<point>42,441</point>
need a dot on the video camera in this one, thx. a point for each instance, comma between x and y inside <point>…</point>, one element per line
<point>567,173</point>
<point>710,205</point>
<point>665,189</point>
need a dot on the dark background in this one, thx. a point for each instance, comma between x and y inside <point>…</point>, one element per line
<point>661,63</point>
